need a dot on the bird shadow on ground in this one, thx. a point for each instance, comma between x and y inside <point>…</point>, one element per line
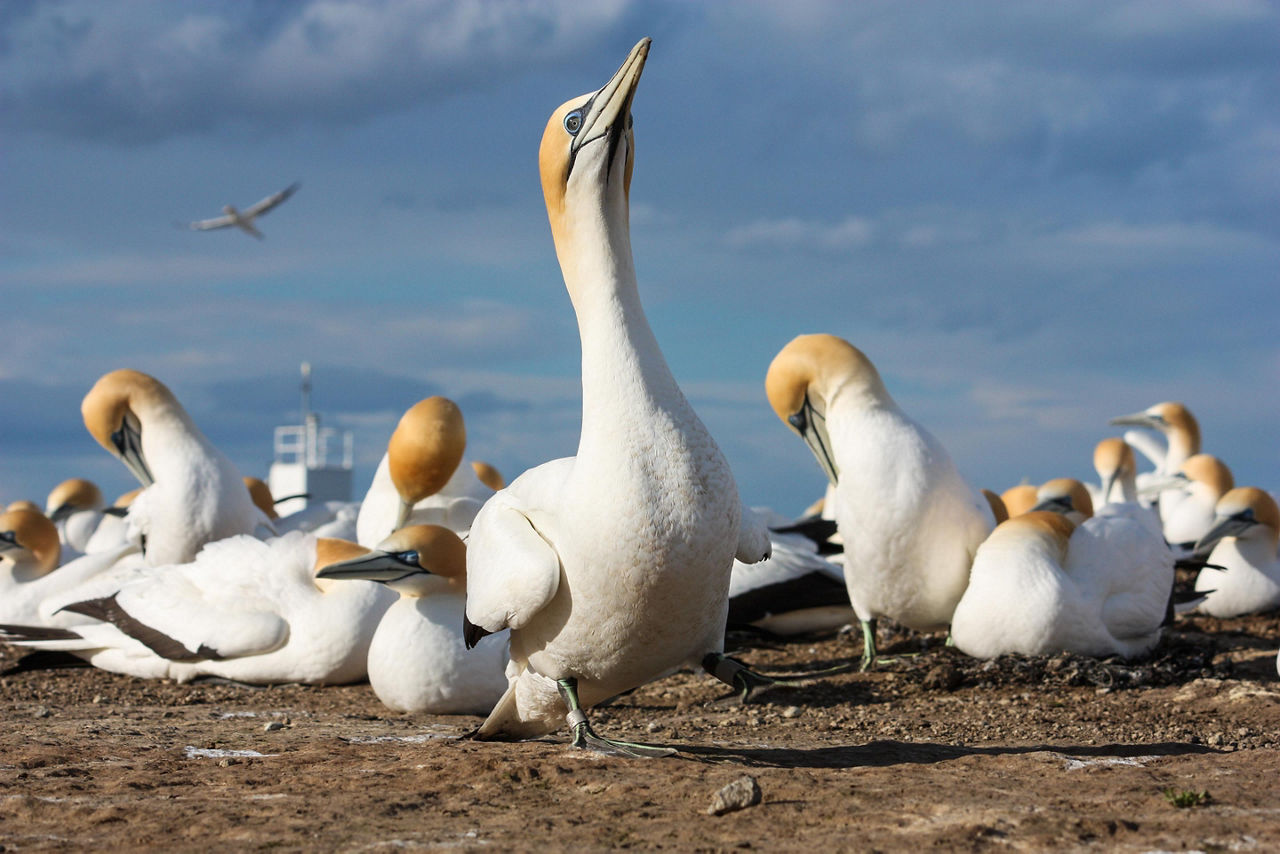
<point>887,753</point>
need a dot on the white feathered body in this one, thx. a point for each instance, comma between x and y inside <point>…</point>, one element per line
<point>453,507</point>
<point>1249,581</point>
<point>909,521</point>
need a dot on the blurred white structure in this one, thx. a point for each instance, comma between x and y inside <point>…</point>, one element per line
<point>307,466</point>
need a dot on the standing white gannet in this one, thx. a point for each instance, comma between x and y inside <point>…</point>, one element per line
<point>243,220</point>
<point>418,660</point>
<point>193,493</point>
<point>1189,497</point>
<point>244,609</point>
<point>75,506</point>
<point>1117,495</point>
<point>1244,543</point>
<point>1041,584</point>
<point>610,568</point>
<point>909,521</point>
<point>1175,423</point>
<point>420,480</point>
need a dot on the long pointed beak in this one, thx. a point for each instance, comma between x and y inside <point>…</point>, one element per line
<point>1108,482</point>
<point>613,101</point>
<point>375,566</point>
<point>1055,505</point>
<point>1157,485</point>
<point>128,442</point>
<point>1227,526</point>
<point>812,427</point>
<point>1137,419</point>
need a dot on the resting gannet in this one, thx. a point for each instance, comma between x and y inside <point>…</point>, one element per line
<point>420,480</point>
<point>113,530</point>
<point>75,506</point>
<point>1243,542</point>
<point>244,609</point>
<point>29,555</point>
<point>610,568</point>
<point>193,493</point>
<point>1178,426</point>
<point>243,220</point>
<point>1041,584</point>
<point>1189,497</point>
<point>909,521</point>
<point>1019,499</point>
<point>418,661</point>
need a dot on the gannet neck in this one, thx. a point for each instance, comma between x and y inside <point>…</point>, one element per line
<point>1210,471</point>
<point>1183,431</point>
<point>1051,530</point>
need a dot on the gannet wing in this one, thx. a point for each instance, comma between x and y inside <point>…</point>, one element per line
<point>259,208</point>
<point>210,224</point>
<point>513,568</point>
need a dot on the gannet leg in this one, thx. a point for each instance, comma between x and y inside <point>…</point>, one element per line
<point>583,736</point>
<point>868,645</point>
<point>744,680</point>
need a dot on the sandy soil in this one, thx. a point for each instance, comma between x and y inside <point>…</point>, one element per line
<point>933,751</point>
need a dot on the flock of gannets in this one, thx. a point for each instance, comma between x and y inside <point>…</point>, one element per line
<point>589,576</point>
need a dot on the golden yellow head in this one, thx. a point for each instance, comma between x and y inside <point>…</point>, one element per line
<point>588,149</point>
<point>426,447</point>
<point>24,504</point>
<point>1252,501</point>
<point>1113,457</point>
<point>29,537</point>
<point>261,495</point>
<point>440,551</point>
<point>72,495</point>
<point>1066,494</point>
<point>488,475</point>
<point>817,365</point>
<point>119,395</point>
<point>1019,499</point>
<point>330,550</point>
<point>1211,471</point>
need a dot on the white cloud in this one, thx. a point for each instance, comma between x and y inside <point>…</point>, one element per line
<point>793,233</point>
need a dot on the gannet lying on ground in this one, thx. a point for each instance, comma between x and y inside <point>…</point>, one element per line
<point>1243,541</point>
<point>75,506</point>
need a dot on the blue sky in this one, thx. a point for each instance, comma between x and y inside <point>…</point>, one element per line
<point>1032,217</point>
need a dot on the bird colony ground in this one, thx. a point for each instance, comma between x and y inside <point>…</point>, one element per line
<point>932,751</point>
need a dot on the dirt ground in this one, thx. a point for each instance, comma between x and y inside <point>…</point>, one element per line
<point>932,751</point>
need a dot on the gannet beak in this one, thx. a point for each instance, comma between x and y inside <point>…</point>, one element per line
<point>1158,485</point>
<point>1061,504</point>
<point>128,443</point>
<point>63,511</point>
<point>383,567</point>
<point>1107,483</point>
<point>812,427</point>
<point>1136,419</point>
<point>8,542</point>
<point>1227,526</point>
<point>609,110</point>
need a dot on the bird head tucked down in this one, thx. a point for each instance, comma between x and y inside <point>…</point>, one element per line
<point>425,450</point>
<point>1067,496</point>
<point>807,375</point>
<point>116,407</point>
<point>71,496</point>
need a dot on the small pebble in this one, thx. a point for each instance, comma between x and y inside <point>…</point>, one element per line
<point>43,712</point>
<point>97,698</point>
<point>738,795</point>
<point>791,712</point>
<point>272,726</point>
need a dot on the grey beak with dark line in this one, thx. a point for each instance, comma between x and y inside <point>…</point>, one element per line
<point>806,423</point>
<point>1137,419</point>
<point>599,117</point>
<point>128,442</point>
<point>382,567</point>
<point>1231,526</point>
<point>1061,504</point>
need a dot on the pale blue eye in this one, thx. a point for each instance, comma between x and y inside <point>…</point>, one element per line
<point>573,122</point>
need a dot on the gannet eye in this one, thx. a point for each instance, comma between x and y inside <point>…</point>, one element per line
<point>573,122</point>
<point>409,557</point>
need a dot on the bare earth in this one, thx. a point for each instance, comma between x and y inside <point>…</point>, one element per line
<point>932,751</point>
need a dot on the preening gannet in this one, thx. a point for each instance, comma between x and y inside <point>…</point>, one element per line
<point>1117,495</point>
<point>193,493</point>
<point>909,521</point>
<point>418,661</point>
<point>420,480</point>
<point>610,568</point>
<point>1243,541</point>
<point>243,220</point>
<point>1179,428</point>
<point>1041,584</point>
<point>75,506</point>
<point>244,609</point>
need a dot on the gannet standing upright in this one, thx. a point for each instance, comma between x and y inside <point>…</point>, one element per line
<point>1117,495</point>
<point>193,493</point>
<point>75,506</point>
<point>611,567</point>
<point>909,521</point>
<point>1188,499</point>
<point>1244,543</point>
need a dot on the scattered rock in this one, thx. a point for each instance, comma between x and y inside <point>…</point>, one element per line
<point>272,726</point>
<point>738,795</point>
<point>42,712</point>
<point>944,677</point>
<point>791,712</point>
